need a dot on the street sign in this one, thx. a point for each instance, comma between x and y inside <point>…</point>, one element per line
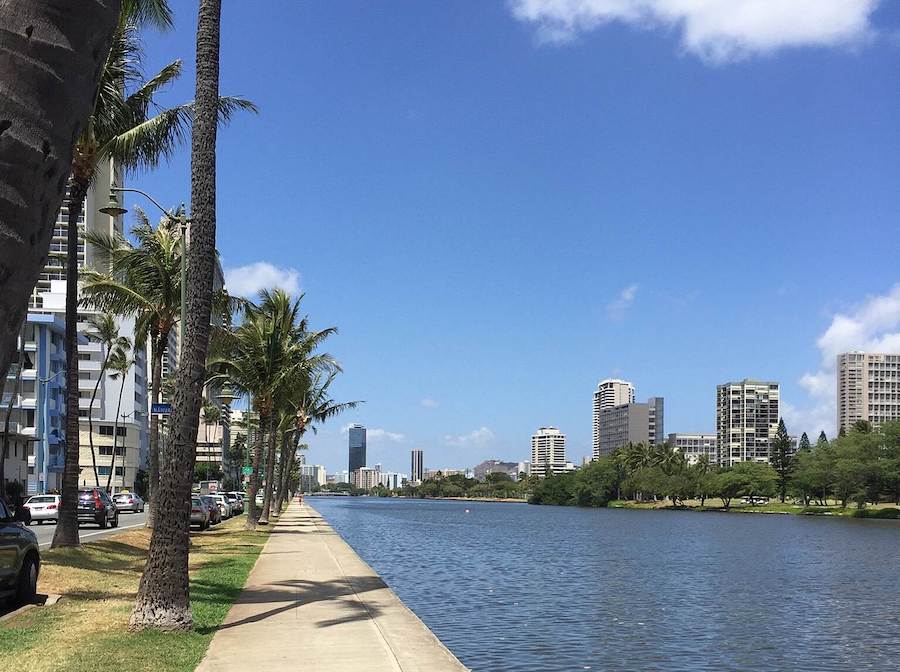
<point>161,409</point>
<point>246,471</point>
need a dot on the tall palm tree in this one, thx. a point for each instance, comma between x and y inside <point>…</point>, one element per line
<point>49,86</point>
<point>212,416</point>
<point>143,280</point>
<point>163,599</point>
<point>103,329</point>
<point>119,127</point>
<point>120,363</point>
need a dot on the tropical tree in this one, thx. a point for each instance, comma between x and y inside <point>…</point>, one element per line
<point>163,599</point>
<point>782,459</point>
<point>804,443</point>
<point>212,416</point>
<point>49,85</point>
<point>103,329</point>
<point>119,365</point>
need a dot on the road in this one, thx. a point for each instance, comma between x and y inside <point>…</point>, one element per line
<point>89,532</point>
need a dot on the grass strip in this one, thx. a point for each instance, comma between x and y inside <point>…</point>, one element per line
<point>88,629</point>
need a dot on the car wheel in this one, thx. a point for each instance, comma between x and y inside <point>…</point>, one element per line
<point>103,522</point>
<point>26,589</point>
<point>115,520</point>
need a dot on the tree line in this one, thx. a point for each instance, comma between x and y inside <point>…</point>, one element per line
<point>861,467</point>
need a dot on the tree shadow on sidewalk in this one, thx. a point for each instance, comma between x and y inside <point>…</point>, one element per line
<point>287,595</point>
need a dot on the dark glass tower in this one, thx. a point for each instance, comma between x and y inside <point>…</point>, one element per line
<point>357,447</point>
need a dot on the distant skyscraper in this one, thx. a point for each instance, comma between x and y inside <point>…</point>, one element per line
<point>357,447</point>
<point>630,423</point>
<point>609,393</point>
<point>747,414</point>
<point>868,388</point>
<point>548,452</point>
<point>417,468</point>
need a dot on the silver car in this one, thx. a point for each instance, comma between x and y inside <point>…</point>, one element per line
<point>43,507</point>
<point>129,501</point>
<point>224,505</point>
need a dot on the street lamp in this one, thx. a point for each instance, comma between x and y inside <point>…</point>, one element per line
<point>113,209</point>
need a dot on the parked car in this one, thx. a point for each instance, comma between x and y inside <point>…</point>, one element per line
<point>224,505</point>
<point>43,507</point>
<point>237,505</point>
<point>199,512</point>
<point>95,506</point>
<point>20,558</point>
<point>215,513</point>
<point>129,501</point>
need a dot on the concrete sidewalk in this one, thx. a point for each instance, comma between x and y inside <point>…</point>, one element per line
<point>312,604</point>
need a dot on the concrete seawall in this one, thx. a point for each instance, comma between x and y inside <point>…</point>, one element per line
<point>312,603</point>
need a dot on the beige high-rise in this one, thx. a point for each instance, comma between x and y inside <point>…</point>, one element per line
<point>747,414</point>
<point>548,452</point>
<point>610,393</point>
<point>868,388</point>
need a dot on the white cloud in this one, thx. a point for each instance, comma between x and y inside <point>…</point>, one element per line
<point>715,30</point>
<point>377,434</point>
<point>874,326</point>
<point>429,403</point>
<point>250,279</point>
<point>618,307</point>
<point>477,437</point>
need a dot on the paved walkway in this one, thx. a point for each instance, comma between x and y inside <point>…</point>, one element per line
<point>312,604</point>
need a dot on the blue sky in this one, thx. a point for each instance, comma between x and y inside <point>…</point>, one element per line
<point>501,203</point>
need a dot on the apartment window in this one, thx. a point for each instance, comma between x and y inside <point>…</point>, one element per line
<point>120,471</point>
<point>105,430</point>
<point>121,431</point>
<point>103,471</point>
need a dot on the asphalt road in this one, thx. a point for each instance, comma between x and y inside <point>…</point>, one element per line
<point>89,532</point>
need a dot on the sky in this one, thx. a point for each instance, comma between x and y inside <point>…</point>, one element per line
<point>501,203</point>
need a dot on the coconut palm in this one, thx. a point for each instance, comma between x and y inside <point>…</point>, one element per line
<point>103,329</point>
<point>119,365</point>
<point>212,415</point>
<point>48,89</point>
<point>163,599</point>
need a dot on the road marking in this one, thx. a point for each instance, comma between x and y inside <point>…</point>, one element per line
<point>93,534</point>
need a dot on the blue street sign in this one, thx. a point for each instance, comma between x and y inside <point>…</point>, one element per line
<point>160,409</point>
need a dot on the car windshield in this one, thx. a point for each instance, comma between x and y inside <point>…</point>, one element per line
<point>86,495</point>
<point>41,500</point>
<point>126,496</point>
<point>195,501</point>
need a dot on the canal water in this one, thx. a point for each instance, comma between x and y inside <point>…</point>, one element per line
<point>513,587</point>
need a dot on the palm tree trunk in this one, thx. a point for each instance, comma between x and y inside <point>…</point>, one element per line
<point>112,466</point>
<point>91,418</point>
<point>253,512</point>
<point>163,600</point>
<point>160,341</point>
<point>49,64</point>
<point>67,528</point>
<point>9,409</point>
<point>282,470</point>
<point>270,474</point>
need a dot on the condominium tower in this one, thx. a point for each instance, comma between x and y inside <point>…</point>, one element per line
<point>548,452</point>
<point>868,388</point>
<point>620,425</point>
<point>693,446</point>
<point>747,414</point>
<point>357,448</point>
<point>416,469</point>
<point>609,393</point>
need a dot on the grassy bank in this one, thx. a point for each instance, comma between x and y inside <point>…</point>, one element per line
<point>88,628</point>
<point>715,504</point>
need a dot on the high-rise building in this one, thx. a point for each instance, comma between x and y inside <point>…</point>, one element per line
<point>868,388</point>
<point>365,478</point>
<point>357,441</point>
<point>417,467</point>
<point>609,393</point>
<point>747,414</point>
<point>630,423</point>
<point>548,452</point>
<point>692,446</point>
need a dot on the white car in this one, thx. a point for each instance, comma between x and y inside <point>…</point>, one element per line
<point>43,507</point>
<point>224,505</point>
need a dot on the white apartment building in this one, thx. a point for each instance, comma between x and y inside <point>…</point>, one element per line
<point>311,475</point>
<point>548,452</point>
<point>692,446</point>
<point>365,478</point>
<point>747,414</point>
<point>868,388</point>
<point>609,393</point>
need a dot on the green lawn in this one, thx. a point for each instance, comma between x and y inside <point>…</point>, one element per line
<point>88,628</point>
<point>773,507</point>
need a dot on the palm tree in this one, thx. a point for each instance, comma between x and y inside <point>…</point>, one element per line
<point>163,599</point>
<point>102,328</point>
<point>144,280</point>
<point>119,364</point>
<point>49,86</point>
<point>212,415</point>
